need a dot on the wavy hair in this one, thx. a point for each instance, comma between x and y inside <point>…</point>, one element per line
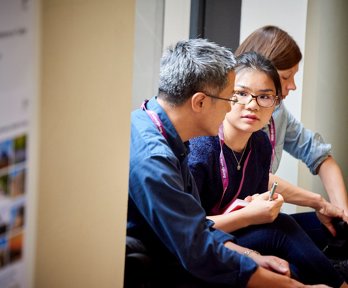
<point>274,44</point>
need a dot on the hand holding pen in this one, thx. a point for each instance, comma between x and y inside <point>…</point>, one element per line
<point>261,210</point>
<point>271,193</point>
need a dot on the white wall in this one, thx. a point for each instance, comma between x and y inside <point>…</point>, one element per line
<point>157,26</point>
<point>148,49</point>
<point>176,27</point>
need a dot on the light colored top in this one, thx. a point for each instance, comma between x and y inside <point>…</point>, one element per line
<point>294,138</point>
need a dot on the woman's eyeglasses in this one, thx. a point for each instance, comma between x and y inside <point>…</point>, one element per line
<point>263,100</point>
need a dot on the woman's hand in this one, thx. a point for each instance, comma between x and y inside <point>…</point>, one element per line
<point>327,212</point>
<point>261,210</point>
<point>264,278</point>
<point>271,263</point>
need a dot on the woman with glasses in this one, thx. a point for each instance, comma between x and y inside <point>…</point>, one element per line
<point>290,135</point>
<point>233,167</point>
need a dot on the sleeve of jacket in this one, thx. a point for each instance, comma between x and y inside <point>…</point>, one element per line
<point>305,144</point>
<point>180,222</point>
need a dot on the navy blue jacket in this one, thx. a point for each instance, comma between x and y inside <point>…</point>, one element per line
<point>205,167</point>
<point>164,210</point>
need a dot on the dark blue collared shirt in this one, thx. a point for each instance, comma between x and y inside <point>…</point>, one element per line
<point>164,209</point>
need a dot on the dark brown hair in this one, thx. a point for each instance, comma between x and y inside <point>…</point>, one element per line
<point>274,44</point>
<point>255,61</point>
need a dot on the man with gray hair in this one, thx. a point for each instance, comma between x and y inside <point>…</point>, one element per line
<point>164,211</point>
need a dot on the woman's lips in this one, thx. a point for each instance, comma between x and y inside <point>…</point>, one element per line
<point>251,117</point>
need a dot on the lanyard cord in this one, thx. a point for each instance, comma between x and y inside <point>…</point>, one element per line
<point>272,138</point>
<point>155,119</point>
<point>224,172</point>
<point>223,167</point>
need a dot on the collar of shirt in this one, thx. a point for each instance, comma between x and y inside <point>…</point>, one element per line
<point>180,149</point>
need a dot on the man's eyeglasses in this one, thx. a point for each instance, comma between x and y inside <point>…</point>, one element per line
<point>263,100</point>
<point>231,99</point>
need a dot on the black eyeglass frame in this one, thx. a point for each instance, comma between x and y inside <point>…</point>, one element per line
<point>220,98</point>
<point>254,97</point>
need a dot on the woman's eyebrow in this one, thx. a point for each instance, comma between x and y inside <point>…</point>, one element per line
<point>260,90</point>
<point>266,90</point>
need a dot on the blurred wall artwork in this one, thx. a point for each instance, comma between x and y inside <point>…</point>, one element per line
<point>17,102</point>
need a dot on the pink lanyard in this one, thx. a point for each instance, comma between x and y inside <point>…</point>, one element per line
<point>224,172</point>
<point>272,138</point>
<point>155,119</point>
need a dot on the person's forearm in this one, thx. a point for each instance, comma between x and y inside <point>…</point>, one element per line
<point>230,222</point>
<point>296,195</point>
<point>332,179</point>
<point>263,278</point>
<point>235,247</point>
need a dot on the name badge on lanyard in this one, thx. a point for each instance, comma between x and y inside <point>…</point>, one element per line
<point>224,173</point>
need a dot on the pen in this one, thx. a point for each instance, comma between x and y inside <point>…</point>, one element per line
<point>274,186</point>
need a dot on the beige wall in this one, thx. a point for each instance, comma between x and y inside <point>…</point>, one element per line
<point>85,104</point>
<point>325,78</point>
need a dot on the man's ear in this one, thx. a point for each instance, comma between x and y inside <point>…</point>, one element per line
<point>197,101</point>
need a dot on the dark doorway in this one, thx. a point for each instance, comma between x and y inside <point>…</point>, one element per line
<point>216,20</point>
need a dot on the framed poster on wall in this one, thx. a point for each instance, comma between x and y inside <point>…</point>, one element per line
<point>18,86</point>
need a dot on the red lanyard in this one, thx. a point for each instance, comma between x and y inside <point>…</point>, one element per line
<point>155,119</point>
<point>224,173</point>
<point>272,138</point>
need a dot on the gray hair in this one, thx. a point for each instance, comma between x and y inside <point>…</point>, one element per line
<point>191,66</point>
